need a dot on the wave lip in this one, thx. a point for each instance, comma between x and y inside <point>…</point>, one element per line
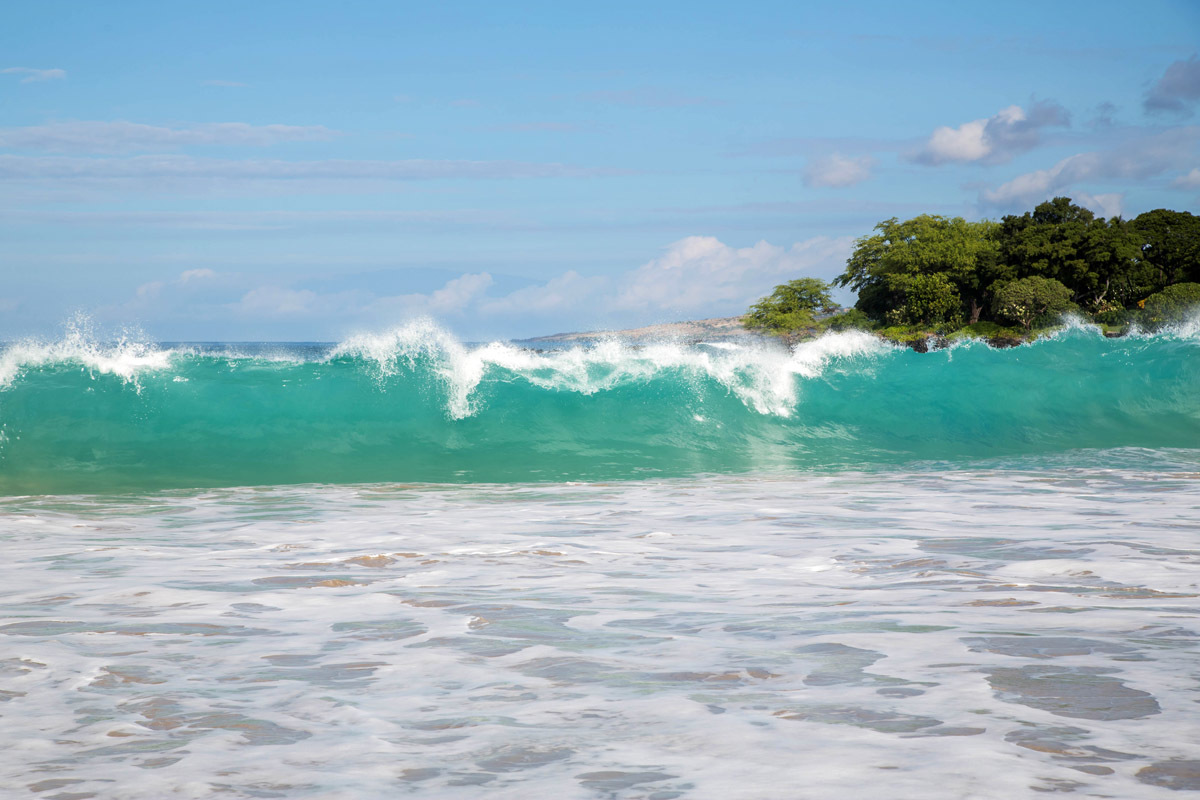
<point>761,376</point>
<point>126,358</point>
<point>416,404</point>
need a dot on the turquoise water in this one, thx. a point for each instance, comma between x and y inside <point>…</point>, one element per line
<point>405,566</point>
<point>415,405</point>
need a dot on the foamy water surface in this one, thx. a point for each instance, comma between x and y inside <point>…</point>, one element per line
<point>982,632</point>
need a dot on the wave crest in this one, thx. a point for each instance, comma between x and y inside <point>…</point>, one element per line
<point>762,376</point>
<point>126,357</point>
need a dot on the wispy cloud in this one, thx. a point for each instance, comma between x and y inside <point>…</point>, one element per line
<point>995,139</point>
<point>114,137</point>
<point>538,127</point>
<point>1105,116</point>
<point>1177,90</point>
<point>806,145</point>
<point>647,97</point>
<point>1188,181</point>
<point>35,75</point>
<point>1140,159</point>
<point>836,171</point>
<point>187,167</point>
<point>699,276</point>
<point>268,221</point>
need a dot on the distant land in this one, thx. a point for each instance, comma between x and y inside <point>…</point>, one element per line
<point>699,330</point>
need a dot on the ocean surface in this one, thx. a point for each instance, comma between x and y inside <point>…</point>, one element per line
<point>405,565</point>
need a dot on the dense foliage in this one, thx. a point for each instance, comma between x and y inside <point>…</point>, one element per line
<point>1173,304</point>
<point>1026,299</point>
<point>945,273</point>
<point>792,306</point>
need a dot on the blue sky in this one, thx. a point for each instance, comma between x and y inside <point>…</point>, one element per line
<point>303,171</point>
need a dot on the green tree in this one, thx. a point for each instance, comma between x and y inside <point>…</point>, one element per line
<point>791,307</point>
<point>1025,299</point>
<point>1091,256</point>
<point>927,299</point>
<point>848,321</point>
<point>1173,304</point>
<point>1170,249</point>
<point>882,266</point>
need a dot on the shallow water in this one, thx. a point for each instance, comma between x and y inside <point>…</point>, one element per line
<point>951,631</point>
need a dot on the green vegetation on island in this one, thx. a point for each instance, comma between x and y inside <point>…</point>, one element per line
<point>934,276</point>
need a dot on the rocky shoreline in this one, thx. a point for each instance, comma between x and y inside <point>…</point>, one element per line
<point>716,329</point>
<point>730,329</point>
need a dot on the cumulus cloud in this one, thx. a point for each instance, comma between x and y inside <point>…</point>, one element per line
<point>113,137</point>
<point>698,276</point>
<point>1177,90</point>
<point>1111,204</point>
<point>1188,181</point>
<point>35,75</point>
<point>1137,160</point>
<point>459,293</point>
<point>701,274</point>
<point>836,171</point>
<point>277,301</point>
<point>569,291</point>
<point>196,275</point>
<point>995,139</point>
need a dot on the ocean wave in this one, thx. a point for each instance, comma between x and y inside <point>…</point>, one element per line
<point>416,404</point>
<point>126,357</point>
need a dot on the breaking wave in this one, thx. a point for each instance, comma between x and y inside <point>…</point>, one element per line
<point>415,404</point>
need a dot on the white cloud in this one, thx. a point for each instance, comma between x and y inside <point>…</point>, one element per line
<point>35,75</point>
<point>112,137</point>
<point>1136,160</point>
<point>1188,181</point>
<point>564,293</point>
<point>180,167</point>
<point>277,301</point>
<point>196,275</point>
<point>995,139</point>
<point>837,170</point>
<point>1111,204</point>
<point>1177,90</point>
<point>268,221</point>
<point>459,293</point>
<point>964,143</point>
<point>701,274</point>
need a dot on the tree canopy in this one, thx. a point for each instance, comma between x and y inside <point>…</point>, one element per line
<point>1068,243</point>
<point>792,306</point>
<point>943,272</point>
<point>1026,299</point>
<point>1173,304</point>
<point>1170,247</point>
<point>882,267</point>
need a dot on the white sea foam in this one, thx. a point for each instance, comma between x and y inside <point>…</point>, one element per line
<point>126,357</point>
<point>761,376</point>
<point>935,635</point>
<point>1189,328</point>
